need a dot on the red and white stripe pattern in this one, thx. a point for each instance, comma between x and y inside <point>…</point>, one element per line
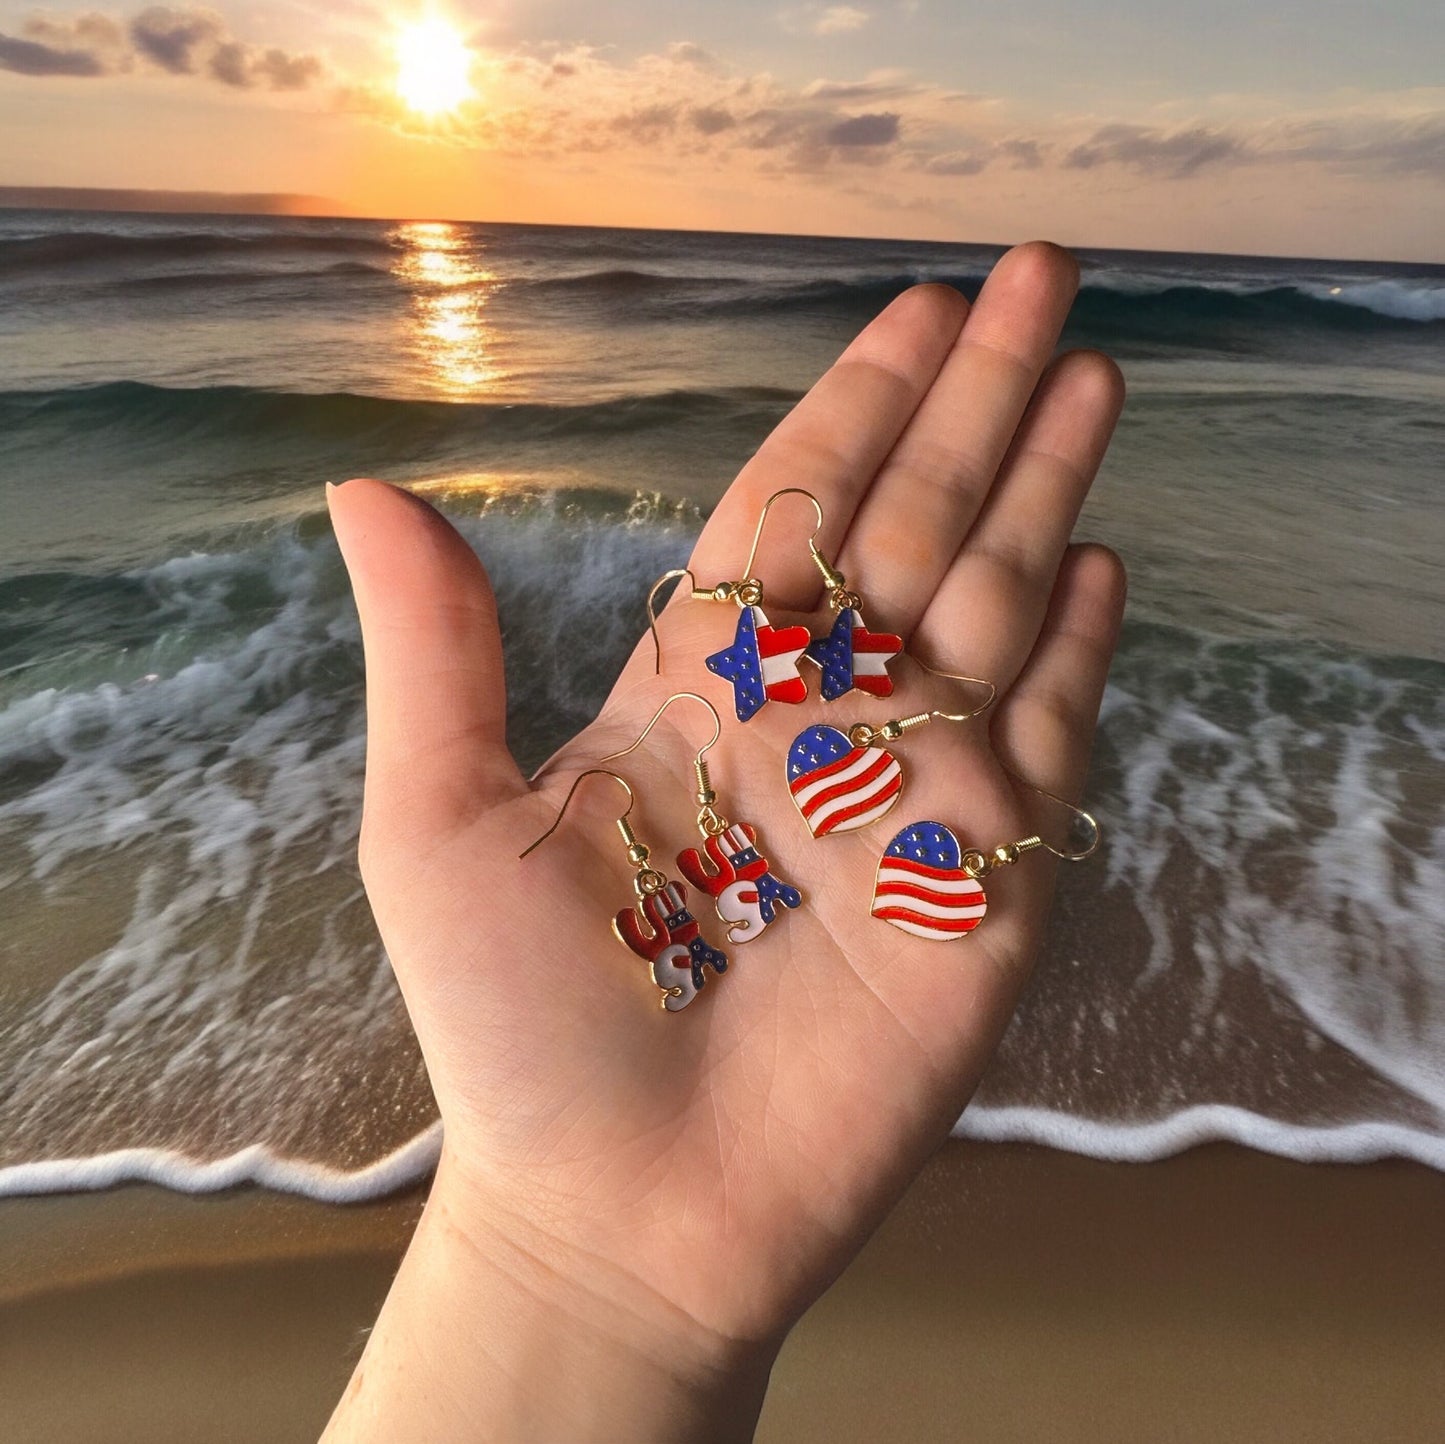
<point>922,888</point>
<point>779,651</point>
<point>872,652</point>
<point>839,787</point>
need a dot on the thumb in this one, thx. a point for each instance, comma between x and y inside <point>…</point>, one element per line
<point>436,714</point>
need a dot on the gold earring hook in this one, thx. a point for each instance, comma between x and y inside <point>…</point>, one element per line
<point>958,677</point>
<point>647,880</point>
<point>721,593</point>
<point>864,734</point>
<point>979,864</point>
<point>708,818</point>
<point>762,521</point>
<point>749,591</point>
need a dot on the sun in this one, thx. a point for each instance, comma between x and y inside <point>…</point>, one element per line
<point>434,67</point>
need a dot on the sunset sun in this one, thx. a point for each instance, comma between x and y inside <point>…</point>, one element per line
<point>433,67</point>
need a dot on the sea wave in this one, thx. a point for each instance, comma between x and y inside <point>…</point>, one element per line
<point>1112,302</point>
<point>78,249</point>
<point>181,824</point>
<point>133,411</point>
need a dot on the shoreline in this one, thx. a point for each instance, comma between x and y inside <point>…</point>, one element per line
<point>1016,1293</point>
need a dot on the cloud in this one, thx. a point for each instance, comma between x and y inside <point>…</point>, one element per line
<point>185,42</point>
<point>839,19</point>
<point>1402,145</point>
<point>31,57</point>
<point>83,45</point>
<point>1176,153</point>
<point>246,67</point>
<point>712,119</point>
<point>172,38</point>
<point>880,128</point>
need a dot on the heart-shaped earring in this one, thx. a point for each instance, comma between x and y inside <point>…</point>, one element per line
<point>929,886</point>
<point>843,780</point>
<point>839,785</point>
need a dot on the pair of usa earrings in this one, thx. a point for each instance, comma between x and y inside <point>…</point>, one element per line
<point>764,663</point>
<point>729,868</point>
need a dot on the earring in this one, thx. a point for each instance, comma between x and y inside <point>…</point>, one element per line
<point>735,874</point>
<point>843,780</point>
<point>850,657</point>
<point>928,886</point>
<point>662,932</point>
<point>762,662</point>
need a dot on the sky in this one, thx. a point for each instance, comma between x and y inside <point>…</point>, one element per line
<point>1287,129</point>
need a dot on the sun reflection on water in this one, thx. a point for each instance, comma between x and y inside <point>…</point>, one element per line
<point>451,337</point>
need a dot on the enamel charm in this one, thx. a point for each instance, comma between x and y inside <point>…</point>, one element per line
<point>739,880</point>
<point>665,934</point>
<point>926,886</point>
<point>838,786</point>
<point>851,656</point>
<point>762,663</point>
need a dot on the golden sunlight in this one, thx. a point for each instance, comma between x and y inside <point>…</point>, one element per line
<point>433,67</point>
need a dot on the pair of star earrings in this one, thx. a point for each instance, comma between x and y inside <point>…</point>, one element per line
<point>764,663</point>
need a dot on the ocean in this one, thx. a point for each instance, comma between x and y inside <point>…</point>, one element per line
<point>191,989</point>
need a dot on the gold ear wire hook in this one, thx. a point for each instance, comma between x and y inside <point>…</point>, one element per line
<point>864,734</point>
<point>723,592</point>
<point>749,591</point>
<point>978,864</point>
<point>1080,815</point>
<point>762,521</point>
<point>708,819</point>
<point>647,879</point>
<point>958,677</point>
<point>623,826</point>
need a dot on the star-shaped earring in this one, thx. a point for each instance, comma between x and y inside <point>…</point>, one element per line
<point>762,663</point>
<point>852,656</point>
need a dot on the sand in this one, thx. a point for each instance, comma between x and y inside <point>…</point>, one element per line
<point>1015,1294</point>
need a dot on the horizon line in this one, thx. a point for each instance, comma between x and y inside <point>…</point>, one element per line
<point>283,206</point>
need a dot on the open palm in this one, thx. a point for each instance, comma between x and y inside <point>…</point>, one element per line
<point>720,1165</point>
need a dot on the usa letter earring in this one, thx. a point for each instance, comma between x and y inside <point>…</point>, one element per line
<point>659,929</point>
<point>844,779</point>
<point>762,662</point>
<point>929,886</point>
<point>729,867</point>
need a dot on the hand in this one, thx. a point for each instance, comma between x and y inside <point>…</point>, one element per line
<point>673,1191</point>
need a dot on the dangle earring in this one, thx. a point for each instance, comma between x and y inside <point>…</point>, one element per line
<point>928,886</point>
<point>850,657</point>
<point>841,780</point>
<point>762,662</point>
<point>662,931</point>
<point>734,873</point>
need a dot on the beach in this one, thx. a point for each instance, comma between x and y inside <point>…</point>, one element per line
<point>1197,1194</point>
<point>1016,1294</point>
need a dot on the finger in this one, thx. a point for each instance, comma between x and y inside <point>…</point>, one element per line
<point>1045,728</point>
<point>1001,580</point>
<point>936,479</point>
<point>436,750</point>
<point>832,444</point>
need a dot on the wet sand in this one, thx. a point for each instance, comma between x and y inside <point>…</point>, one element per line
<point>1015,1294</point>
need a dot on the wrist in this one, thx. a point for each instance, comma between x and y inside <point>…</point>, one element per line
<point>494,1330</point>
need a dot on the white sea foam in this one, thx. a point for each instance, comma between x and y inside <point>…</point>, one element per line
<point>1192,1127</point>
<point>258,1165</point>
